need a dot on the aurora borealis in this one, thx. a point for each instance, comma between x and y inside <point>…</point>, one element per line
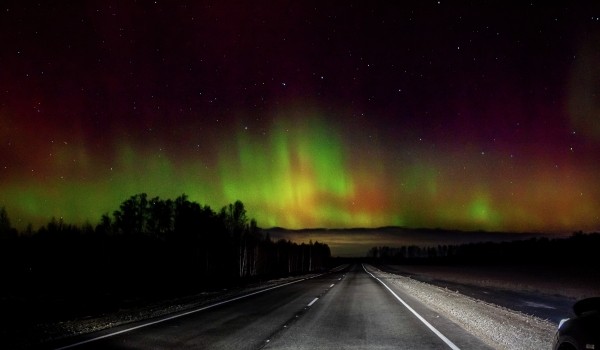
<point>425,114</point>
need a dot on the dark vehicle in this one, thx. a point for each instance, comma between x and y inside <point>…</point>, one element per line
<point>583,330</point>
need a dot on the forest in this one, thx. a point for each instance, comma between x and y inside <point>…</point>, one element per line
<point>579,249</point>
<point>152,246</point>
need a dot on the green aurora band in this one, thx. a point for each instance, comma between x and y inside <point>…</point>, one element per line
<point>302,171</point>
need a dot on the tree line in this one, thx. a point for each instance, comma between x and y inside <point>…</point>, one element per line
<point>579,249</point>
<point>153,243</point>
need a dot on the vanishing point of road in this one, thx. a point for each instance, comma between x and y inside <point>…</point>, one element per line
<point>347,308</point>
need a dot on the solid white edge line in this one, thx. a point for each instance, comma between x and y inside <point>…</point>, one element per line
<point>312,302</point>
<point>432,328</point>
<point>186,313</point>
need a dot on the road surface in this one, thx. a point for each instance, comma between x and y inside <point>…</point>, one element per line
<point>348,309</point>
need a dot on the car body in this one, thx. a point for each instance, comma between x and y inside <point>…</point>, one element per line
<point>581,332</point>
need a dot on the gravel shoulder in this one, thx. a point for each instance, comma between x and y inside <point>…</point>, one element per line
<point>509,287</point>
<point>498,327</point>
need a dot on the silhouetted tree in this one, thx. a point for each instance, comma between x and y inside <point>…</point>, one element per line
<point>160,218</point>
<point>6,230</point>
<point>132,216</point>
<point>579,249</point>
<point>105,227</point>
<point>235,219</point>
<point>153,246</point>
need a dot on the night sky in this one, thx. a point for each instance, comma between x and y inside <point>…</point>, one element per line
<point>349,114</point>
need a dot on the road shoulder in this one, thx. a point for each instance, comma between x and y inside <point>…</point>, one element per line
<point>498,327</point>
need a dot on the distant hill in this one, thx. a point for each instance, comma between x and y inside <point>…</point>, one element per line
<point>355,242</point>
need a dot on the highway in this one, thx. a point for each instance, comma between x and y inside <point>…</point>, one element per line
<point>347,309</point>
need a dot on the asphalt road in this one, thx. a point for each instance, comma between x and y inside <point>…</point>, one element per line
<point>348,309</point>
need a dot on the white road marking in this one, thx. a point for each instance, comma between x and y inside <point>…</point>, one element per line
<point>333,284</point>
<point>537,305</point>
<point>186,313</point>
<point>432,328</point>
<point>312,302</point>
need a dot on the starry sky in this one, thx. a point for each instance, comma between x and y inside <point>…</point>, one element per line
<point>438,114</point>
